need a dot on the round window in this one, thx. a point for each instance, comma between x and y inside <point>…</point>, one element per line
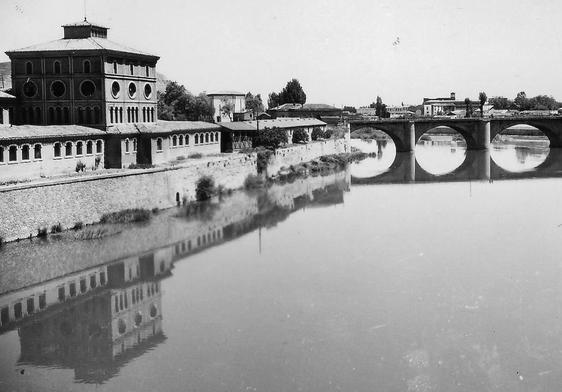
<point>58,88</point>
<point>132,90</point>
<point>29,89</point>
<point>147,91</point>
<point>88,88</point>
<point>115,89</point>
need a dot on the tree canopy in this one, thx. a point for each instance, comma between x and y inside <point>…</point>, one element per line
<point>291,93</point>
<point>176,103</point>
<point>254,103</point>
<point>380,108</point>
<point>521,102</point>
<point>271,138</point>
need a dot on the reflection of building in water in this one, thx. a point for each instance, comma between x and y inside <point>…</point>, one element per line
<point>521,153</point>
<point>93,327</point>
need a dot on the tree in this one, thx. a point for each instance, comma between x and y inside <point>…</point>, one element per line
<point>273,100</point>
<point>300,136</point>
<point>543,102</point>
<point>292,93</point>
<point>178,104</point>
<point>500,103</point>
<point>482,97</point>
<point>380,108</point>
<point>521,101</point>
<point>316,133</point>
<point>467,107</point>
<point>350,109</point>
<point>254,103</point>
<point>271,138</point>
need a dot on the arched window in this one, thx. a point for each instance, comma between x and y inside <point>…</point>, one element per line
<point>68,149</point>
<point>152,114</point>
<point>206,138</point>
<point>216,137</point>
<point>131,69</point>
<point>135,145</point>
<point>57,150</point>
<point>136,114</point>
<point>89,147</point>
<point>115,67</point>
<point>174,141</point>
<point>180,140</point>
<point>66,114</point>
<point>96,115</point>
<point>79,148</point>
<point>128,114</point>
<point>30,115</point>
<point>59,115</point>
<point>88,115</point>
<point>159,144</point>
<point>80,115</point>
<point>111,115</point>
<point>87,66</point>
<point>37,152</point>
<point>1,154</point>
<point>126,146</point>
<point>143,114</point>
<point>29,68</point>
<point>99,147</point>
<point>51,115</point>
<point>196,138</point>
<point>120,115</point>
<point>212,137</point>
<point>38,119</point>
<point>146,70</point>
<point>56,67</point>
<point>186,140</point>
<point>25,152</point>
<point>13,153</point>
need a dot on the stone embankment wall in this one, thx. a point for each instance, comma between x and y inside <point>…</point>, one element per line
<point>293,155</point>
<point>26,207</point>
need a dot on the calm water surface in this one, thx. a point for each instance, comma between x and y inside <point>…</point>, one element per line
<point>433,271</point>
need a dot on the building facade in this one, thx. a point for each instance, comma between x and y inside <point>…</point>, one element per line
<point>450,106</point>
<point>228,106</point>
<point>84,79</point>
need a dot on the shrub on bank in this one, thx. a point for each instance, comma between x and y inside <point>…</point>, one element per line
<point>270,138</point>
<point>263,157</point>
<point>80,166</point>
<point>205,188</point>
<point>195,155</point>
<point>56,228</point>
<point>1,242</point>
<point>78,226</point>
<point>140,166</point>
<point>253,181</point>
<point>317,134</point>
<point>127,216</point>
<point>300,136</point>
<point>42,232</point>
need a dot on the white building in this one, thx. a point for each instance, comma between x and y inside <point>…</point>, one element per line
<point>227,104</point>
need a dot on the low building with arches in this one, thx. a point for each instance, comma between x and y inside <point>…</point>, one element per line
<point>161,142</point>
<point>34,151</point>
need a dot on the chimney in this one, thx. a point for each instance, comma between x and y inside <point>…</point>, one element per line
<point>453,96</point>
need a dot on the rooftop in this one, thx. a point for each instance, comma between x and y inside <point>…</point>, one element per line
<point>284,122</point>
<point>225,92</point>
<point>37,132</point>
<point>83,23</point>
<point>77,44</point>
<point>4,95</point>
<point>306,106</point>
<point>162,127</point>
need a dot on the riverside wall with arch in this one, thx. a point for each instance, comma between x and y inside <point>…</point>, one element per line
<point>26,207</point>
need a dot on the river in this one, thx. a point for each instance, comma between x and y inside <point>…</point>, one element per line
<point>433,271</point>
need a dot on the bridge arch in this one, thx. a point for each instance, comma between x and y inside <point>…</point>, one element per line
<point>467,130</point>
<point>551,128</point>
<point>399,131</point>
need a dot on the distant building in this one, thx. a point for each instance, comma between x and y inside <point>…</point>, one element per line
<point>327,113</point>
<point>449,106</point>
<point>7,104</point>
<point>237,136</point>
<point>229,106</point>
<point>84,79</point>
<point>399,111</point>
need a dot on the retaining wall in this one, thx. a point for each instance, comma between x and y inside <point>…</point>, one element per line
<point>25,208</point>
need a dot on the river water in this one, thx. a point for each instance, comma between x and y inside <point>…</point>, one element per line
<point>433,271</point>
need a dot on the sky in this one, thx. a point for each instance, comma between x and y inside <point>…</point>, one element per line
<point>342,52</point>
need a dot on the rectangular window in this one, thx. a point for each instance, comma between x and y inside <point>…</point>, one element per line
<point>93,283</point>
<point>37,151</point>
<point>89,148</point>
<point>62,294</point>
<point>5,315</point>
<point>102,278</point>
<point>42,301</point>
<point>83,287</point>
<point>116,305</point>
<point>30,305</point>
<point>72,289</point>
<point>18,310</point>
<point>1,154</point>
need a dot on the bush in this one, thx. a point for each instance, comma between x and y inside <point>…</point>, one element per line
<point>42,232</point>
<point>78,226</point>
<point>300,136</point>
<point>195,155</point>
<point>126,216</point>
<point>254,182</point>
<point>180,158</point>
<point>205,188</point>
<point>80,166</point>
<point>56,228</point>
<point>317,134</point>
<point>262,160</point>
<point>1,242</point>
<point>328,134</point>
<point>271,138</point>
<point>97,163</point>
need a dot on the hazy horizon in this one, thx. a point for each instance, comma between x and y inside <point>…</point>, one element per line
<point>343,53</point>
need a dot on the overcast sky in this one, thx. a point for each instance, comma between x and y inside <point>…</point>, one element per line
<point>343,52</point>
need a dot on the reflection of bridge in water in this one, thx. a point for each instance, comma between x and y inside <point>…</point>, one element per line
<point>477,166</point>
<point>478,132</point>
<point>96,315</point>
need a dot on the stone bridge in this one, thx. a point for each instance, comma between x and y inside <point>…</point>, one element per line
<point>477,166</point>
<point>478,132</point>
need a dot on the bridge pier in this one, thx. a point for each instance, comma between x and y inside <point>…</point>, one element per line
<point>482,137</point>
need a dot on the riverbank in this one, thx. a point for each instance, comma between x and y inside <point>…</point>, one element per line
<point>29,209</point>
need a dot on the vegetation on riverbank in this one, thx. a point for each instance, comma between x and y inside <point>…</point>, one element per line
<point>369,133</point>
<point>127,216</point>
